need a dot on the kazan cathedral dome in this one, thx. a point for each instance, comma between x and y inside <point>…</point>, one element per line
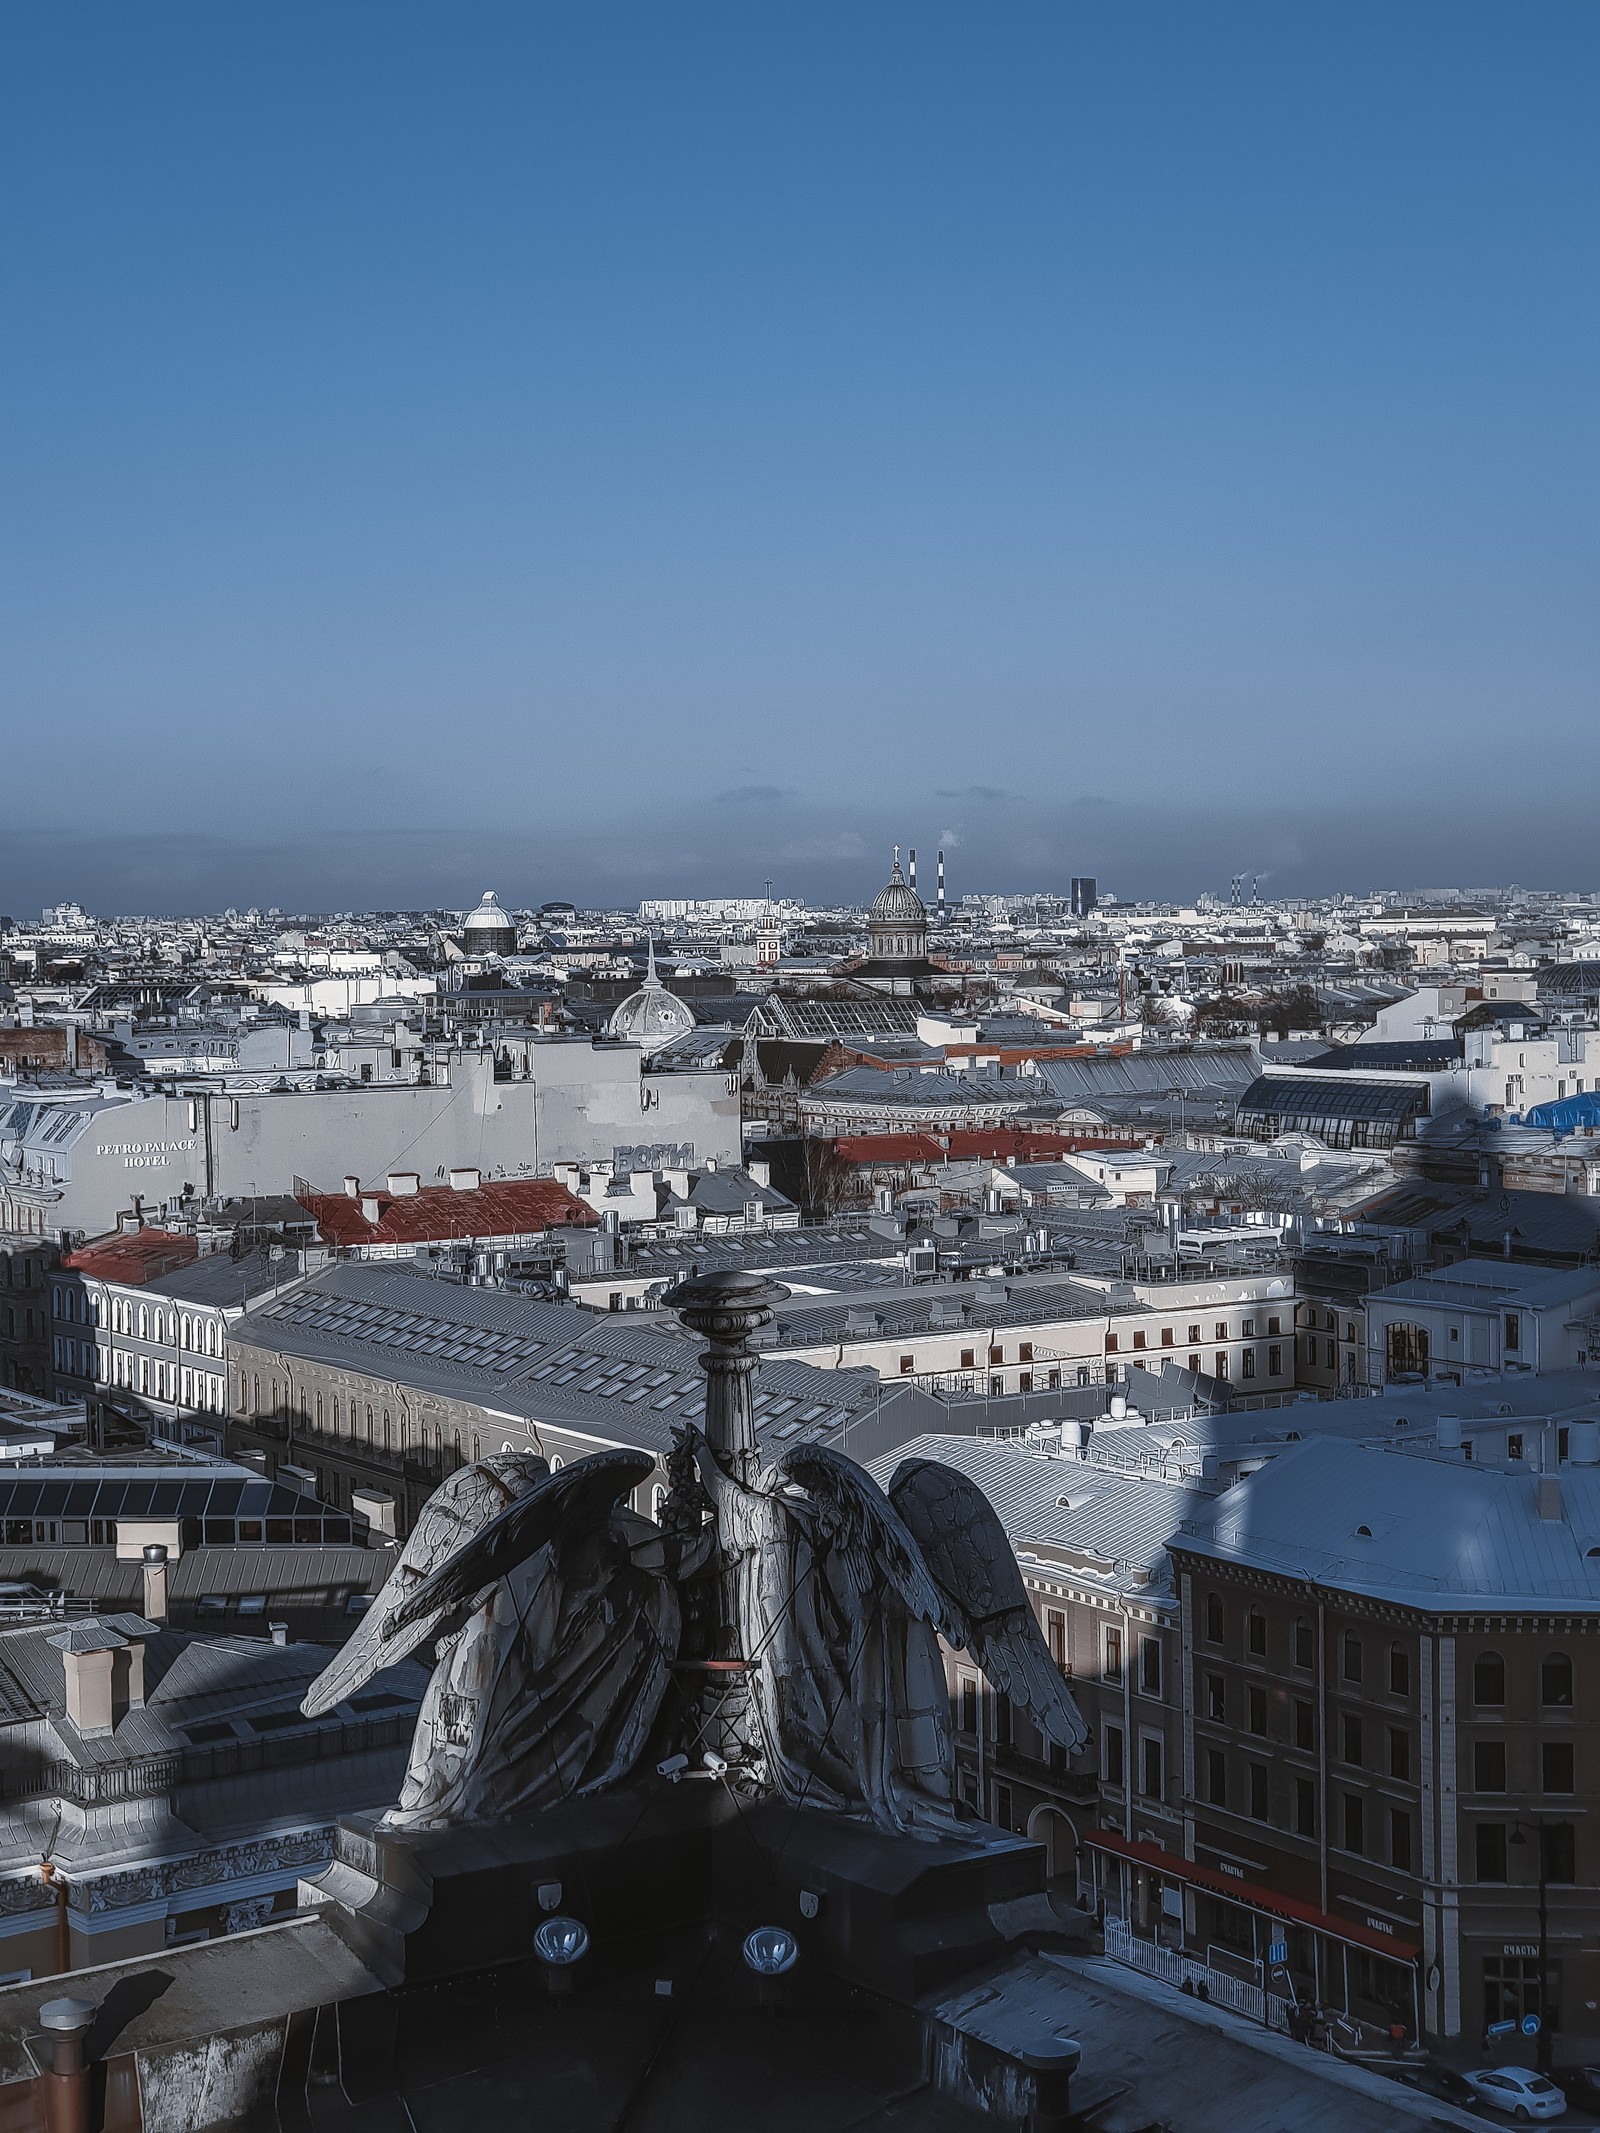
<point>652,1017</point>
<point>897,938</point>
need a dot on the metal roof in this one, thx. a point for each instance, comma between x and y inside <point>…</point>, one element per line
<point>1424,1532</point>
<point>619,1378</point>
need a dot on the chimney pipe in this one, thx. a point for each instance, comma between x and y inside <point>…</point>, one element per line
<point>912,877</point>
<point>352,1187</point>
<point>941,884</point>
<point>65,2023</point>
<point>155,1582</point>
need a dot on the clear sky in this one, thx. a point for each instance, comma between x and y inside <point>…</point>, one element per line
<point>605,449</point>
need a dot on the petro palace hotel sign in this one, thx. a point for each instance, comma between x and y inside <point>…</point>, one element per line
<point>147,1155</point>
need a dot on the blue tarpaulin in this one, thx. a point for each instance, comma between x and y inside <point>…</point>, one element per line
<point>1570,1114</point>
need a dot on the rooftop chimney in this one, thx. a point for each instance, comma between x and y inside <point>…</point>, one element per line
<point>403,1183</point>
<point>104,1675</point>
<point>465,1178</point>
<point>352,1186</point>
<point>155,1582</point>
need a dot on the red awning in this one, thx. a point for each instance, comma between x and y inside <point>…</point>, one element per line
<point>1253,1894</point>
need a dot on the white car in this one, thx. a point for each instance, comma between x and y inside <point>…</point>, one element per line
<point>1513,2088</point>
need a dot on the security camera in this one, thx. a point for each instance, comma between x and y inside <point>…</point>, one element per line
<point>716,1764</point>
<point>673,1768</point>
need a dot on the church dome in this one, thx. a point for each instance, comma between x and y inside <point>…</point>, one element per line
<point>652,1017</point>
<point>899,904</point>
<point>488,929</point>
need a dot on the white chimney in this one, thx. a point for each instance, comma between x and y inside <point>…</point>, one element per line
<point>371,1209</point>
<point>104,1675</point>
<point>1583,1444</point>
<point>1449,1430</point>
<point>465,1179</point>
<point>403,1183</point>
<point>352,1187</point>
<point>155,1582</point>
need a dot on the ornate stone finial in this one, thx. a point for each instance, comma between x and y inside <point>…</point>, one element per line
<point>725,1310</point>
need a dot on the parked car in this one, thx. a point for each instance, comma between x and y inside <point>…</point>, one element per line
<point>1435,2079</point>
<point>1582,2086</point>
<point>1515,2089</point>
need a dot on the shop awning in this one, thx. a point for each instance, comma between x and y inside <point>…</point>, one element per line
<point>1252,1894</point>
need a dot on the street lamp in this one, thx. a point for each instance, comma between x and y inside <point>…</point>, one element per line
<point>1541,2042</point>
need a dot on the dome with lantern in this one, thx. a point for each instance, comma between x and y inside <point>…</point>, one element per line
<point>897,924</point>
<point>489,929</point>
<point>652,1017</point>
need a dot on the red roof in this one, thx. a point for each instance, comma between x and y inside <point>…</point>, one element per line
<point>514,1207</point>
<point>1254,1894</point>
<point>138,1256</point>
<point>998,1144</point>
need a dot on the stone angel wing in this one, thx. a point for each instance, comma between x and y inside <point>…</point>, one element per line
<point>985,1603</point>
<point>868,1530</point>
<point>461,1506</point>
<point>574,1501</point>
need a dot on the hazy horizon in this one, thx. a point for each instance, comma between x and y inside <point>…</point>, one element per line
<point>650,451</point>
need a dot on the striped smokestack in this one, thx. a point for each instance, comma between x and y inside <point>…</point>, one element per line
<point>941,884</point>
<point>912,878</point>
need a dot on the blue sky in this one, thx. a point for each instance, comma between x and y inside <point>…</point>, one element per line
<point>621,448</point>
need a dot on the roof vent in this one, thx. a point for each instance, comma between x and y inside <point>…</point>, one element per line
<point>1365,1532</point>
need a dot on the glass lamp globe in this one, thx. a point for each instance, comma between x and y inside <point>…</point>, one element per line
<point>770,1950</point>
<point>560,1941</point>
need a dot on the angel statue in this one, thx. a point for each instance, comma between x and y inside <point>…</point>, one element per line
<point>551,1684</point>
<point>840,1595</point>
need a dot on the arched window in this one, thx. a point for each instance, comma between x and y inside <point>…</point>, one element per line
<point>1489,1679</point>
<point>255,1395</point>
<point>1555,1681</point>
<point>556,1463</point>
<point>144,1323</point>
<point>658,1502</point>
<point>369,1426</point>
<point>386,1429</point>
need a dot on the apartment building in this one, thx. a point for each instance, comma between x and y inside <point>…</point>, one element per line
<point>1390,1662</point>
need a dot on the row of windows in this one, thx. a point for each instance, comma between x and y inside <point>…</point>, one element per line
<point>1249,1789</point>
<point>1488,1668</point>
<point>1303,1645</point>
<point>1249,1362</point>
<point>1309,1321</point>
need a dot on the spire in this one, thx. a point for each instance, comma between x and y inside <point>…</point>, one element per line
<point>897,875</point>
<point>650,977</point>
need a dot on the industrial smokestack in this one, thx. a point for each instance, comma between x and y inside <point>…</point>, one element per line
<point>941,884</point>
<point>913,876</point>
